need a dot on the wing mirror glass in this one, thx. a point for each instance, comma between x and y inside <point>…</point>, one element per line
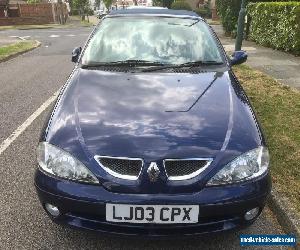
<point>75,54</point>
<point>238,57</point>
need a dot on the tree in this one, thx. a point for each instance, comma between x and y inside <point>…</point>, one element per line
<point>33,1</point>
<point>60,12</point>
<point>82,6</point>
<point>180,5</point>
<point>107,3</point>
<point>163,3</point>
<point>97,3</point>
<point>71,4</point>
<point>5,5</point>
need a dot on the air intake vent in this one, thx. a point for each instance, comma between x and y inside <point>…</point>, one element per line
<point>124,168</point>
<point>189,70</point>
<point>184,169</point>
<point>111,68</point>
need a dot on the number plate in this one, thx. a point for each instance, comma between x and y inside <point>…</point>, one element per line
<point>159,214</point>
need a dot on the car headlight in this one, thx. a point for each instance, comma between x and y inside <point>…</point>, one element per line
<point>58,162</point>
<point>245,167</point>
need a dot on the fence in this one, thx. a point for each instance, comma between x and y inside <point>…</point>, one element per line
<point>42,13</point>
<point>35,10</point>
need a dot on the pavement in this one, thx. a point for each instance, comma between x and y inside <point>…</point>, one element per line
<point>94,20</point>
<point>76,20</point>
<point>26,83</point>
<point>280,65</point>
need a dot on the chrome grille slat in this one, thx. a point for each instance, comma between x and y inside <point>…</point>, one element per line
<point>121,167</point>
<point>175,169</point>
<point>184,169</point>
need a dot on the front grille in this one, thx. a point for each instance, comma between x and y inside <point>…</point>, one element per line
<point>124,168</point>
<point>183,169</point>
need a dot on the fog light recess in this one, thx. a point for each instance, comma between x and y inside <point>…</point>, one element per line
<point>251,214</point>
<point>53,210</point>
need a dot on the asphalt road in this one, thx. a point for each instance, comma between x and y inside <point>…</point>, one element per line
<point>26,82</point>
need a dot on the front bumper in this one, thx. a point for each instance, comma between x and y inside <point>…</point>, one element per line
<point>83,206</point>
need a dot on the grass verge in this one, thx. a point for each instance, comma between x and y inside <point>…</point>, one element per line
<point>84,23</point>
<point>278,109</point>
<point>17,48</point>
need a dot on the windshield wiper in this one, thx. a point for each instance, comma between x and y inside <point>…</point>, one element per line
<point>183,65</point>
<point>129,63</point>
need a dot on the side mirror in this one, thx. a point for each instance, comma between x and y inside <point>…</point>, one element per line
<point>238,57</point>
<point>75,54</point>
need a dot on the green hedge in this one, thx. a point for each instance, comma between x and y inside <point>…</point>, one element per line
<point>228,10</point>
<point>275,25</point>
<point>203,12</point>
<point>180,5</point>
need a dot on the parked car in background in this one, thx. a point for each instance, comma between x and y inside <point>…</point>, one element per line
<point>153,134</point>
<point>100,13</point>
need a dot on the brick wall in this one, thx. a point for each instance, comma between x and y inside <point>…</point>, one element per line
<point>35,10</point>
<point>42,13</point>
<point>23,21</point>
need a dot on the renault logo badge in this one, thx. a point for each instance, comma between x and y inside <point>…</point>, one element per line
<point>153,171</point>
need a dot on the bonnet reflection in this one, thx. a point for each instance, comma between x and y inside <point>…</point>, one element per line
<point>136,119</point>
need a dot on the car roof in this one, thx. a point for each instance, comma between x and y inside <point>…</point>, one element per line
<point>154,11</point>
<point>143,7</point>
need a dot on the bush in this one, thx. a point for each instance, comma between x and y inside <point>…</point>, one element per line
<point>180,5</point>
<point>228,10</point>
<point>89,12</point>
<point>74,12</point>
<point>204,11</point>
<point>276,25</point>
<point>162,3</point>
<point>33,1</point>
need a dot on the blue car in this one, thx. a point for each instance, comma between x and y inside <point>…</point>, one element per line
<point>152,134</point>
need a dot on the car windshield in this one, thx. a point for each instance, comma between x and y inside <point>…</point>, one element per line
<point>166,40</point>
